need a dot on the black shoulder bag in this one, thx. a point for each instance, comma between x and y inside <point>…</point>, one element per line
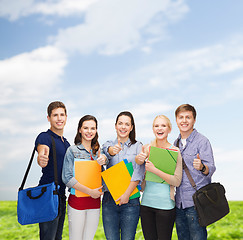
<point>38,204</point>
<point>210,201</point>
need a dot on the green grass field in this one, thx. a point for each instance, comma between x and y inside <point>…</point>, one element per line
<point>230,227</point>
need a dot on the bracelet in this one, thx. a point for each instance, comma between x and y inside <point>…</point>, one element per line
<point>203,168</point>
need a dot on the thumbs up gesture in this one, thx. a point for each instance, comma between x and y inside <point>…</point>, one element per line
<point>141,157</point>
<point>43,155</point>
<point>116,148</point>
<point>197,164</point>
<point>101,158</point>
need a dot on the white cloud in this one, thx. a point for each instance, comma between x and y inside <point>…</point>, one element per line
<point>114,27</point>
<point>29,76</point>
<point>13,10</point>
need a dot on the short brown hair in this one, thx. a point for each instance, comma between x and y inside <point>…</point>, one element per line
<point>55,105</point>
<point>184,108</point>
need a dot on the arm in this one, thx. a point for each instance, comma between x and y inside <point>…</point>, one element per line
<point>113,150</point>
<point>105,150</point>
<point>198,165</point>
<point>43,155</point>
<point>205,157</point>
<point>94,193</point>
<point>143,155</point>
<point>102,159</point>
<point>71,181</point>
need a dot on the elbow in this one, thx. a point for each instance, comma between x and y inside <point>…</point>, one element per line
<point>177,183</point>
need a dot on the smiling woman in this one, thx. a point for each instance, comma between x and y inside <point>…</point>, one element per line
<point>158,205</point>
<point>120,221</point>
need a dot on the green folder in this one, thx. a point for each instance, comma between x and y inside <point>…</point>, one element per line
<point>130,170</point>
<point>163,159</point>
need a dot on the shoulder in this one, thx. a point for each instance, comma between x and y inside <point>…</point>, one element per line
<point>174,148</point>
<point>44,139</point>
<point>109,142</point>
<point>201,139</point>
<point>138,143</point>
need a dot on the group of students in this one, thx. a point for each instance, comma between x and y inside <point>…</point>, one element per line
<point>160,206</point>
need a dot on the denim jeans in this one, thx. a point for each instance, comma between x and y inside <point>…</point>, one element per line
<point>52,230</point>
<point>120,222</point>
<point>187,225</point>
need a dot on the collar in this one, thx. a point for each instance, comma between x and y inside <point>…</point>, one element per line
<point>80,146</point>
<point>49,131</point>
<point>127,143</point>
<point>191,136</point>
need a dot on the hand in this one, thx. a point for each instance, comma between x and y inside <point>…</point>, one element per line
<point>141,157</point>
<point>197,164</point>
<point>149,166</point>
<point>123,199</point>
<point>43,157</point>
<point>95,193</point>
<point>101,158</point>
<point>117,148</point>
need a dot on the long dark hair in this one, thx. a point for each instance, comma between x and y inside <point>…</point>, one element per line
<point>78,139</point>
<point>132,134</point>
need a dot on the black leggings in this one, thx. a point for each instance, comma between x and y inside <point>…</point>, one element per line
<point>157,224</point>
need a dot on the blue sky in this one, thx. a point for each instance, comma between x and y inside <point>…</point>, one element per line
<point>103,57</point>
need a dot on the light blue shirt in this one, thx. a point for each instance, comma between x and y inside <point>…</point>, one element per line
<point>157,195</point>
<point>129,151</point>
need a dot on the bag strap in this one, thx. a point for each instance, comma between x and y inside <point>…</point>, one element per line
<point>27,170</point>
<point>54,152</point>
<point>54,164</point>
<point>187,170</point>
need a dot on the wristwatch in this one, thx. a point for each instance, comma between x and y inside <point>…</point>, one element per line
<point>203,168</point>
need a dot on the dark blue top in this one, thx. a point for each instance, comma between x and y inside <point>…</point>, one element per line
<point>62,144</point>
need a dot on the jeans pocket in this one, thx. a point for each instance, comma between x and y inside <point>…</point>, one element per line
<point>133,202</point>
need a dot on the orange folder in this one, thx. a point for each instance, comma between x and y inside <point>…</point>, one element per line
<point>117,179</point>
<point>87,173</point>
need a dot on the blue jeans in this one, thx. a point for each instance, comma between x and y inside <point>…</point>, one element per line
<point>52,230</point>
<point>120,222</point>
<point>187,225</point>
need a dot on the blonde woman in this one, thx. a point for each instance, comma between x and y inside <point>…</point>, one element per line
<point>158,206</point>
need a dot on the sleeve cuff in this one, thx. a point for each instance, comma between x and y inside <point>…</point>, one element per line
<point>71,182</point>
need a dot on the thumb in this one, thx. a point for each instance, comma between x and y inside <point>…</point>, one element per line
<point>119,142</point>
<point>198,156</point>
<point>45,151</point>
<point>143,149</point>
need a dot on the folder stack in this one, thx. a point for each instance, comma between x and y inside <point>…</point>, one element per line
<point>118,178</point>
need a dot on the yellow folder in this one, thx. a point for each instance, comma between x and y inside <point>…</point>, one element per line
<point>117,179</point>
<point>87,173</point>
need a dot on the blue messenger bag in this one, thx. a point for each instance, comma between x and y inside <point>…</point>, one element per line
<point>38,204</point>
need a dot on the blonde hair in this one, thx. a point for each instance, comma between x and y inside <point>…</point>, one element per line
<point>154,142</point>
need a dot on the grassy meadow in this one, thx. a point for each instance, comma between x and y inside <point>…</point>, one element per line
<point>230,227</point>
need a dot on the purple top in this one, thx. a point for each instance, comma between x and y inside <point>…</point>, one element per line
<point>195,143</point>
